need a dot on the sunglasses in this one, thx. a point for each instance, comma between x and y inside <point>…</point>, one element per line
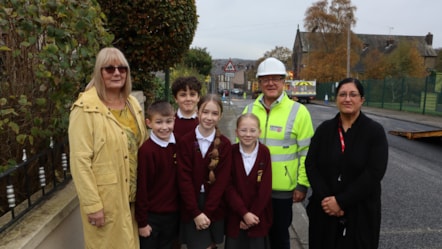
<point>111,69</point>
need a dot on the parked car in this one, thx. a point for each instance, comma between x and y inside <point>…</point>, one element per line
<point>236,91</point>
<point>224,92</point>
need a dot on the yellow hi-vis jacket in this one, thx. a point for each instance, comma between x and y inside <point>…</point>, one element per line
<point>286,129</point>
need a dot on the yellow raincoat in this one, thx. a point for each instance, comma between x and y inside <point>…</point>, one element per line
<point>99,161</point>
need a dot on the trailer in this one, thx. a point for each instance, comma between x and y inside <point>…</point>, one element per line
<point>412,135</point>
<point>301,90</point>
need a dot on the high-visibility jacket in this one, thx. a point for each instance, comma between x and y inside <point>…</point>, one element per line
<point>286,129</point>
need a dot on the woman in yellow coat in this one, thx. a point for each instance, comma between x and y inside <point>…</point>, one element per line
<point>106,128</point>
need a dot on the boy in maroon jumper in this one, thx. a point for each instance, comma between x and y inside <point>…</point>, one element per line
<point>156,206</point>
<point>186,92</point>
<point>250,193</point>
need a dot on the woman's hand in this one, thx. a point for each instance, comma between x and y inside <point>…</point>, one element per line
<point>96,219</point>
<point>201,222</point>
<point>145,231</point>
<point>331,207</point>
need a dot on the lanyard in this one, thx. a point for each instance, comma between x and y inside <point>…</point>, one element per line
<point>341,137</point>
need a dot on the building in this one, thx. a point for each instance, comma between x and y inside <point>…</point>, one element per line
<point>305,44</point>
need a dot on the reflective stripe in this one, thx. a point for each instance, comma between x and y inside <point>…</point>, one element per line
<point>302,153</point>
<point>304,142</point>
<point>278,142</point>
<point>250,107</point>
<point>291,121</point>
<point>283,157</point>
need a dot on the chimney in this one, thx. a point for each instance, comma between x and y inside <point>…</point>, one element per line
<point>429,39</point>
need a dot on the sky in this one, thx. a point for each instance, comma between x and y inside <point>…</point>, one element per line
<point>246,29</point>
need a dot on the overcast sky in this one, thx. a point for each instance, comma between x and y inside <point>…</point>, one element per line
<point>246,29</point>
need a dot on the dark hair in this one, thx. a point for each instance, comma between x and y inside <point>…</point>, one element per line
<point>214,154</point>
<point>351,80</point>
<point>247,115</point>
<point>182,83</point>
<point>161,107</point>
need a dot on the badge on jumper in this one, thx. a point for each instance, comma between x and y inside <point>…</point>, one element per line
<point>259,175</point>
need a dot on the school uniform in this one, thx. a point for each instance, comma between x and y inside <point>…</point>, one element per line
<point>183,125</point>
<point>157,199</point>
<point>250,191</point>
<point>197,195</point>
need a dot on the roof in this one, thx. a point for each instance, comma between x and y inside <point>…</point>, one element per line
<point>384,43</point>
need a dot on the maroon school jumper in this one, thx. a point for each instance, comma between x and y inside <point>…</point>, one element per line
<point>157,188</point>
<point>193,171</point>
<point>183,126</point>
<point>250,193</point>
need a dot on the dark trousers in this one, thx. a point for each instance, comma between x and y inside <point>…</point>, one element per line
<point>282,218</point>
<point>164,231</point>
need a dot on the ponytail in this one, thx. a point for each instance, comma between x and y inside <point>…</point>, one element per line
<point>214,156</point>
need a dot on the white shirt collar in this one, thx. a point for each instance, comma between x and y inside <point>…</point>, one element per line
<point>199,136</point>
<point>180,115</point>
<point>161,142</point>
<point>254,152</point>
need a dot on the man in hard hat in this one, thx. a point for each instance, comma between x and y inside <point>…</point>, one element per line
<point>286,128</point>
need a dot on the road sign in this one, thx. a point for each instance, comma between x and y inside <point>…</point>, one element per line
<point>230,75</point>
<point>229,67</point>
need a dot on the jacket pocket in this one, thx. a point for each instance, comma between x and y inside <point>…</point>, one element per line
<point>106,179</point>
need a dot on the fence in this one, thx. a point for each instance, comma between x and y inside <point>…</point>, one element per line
<point>419,95</point>
<point>31,181</point>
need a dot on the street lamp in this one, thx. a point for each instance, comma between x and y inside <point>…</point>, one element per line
<point>349,17</point>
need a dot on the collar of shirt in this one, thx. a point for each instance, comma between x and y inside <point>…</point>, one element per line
<point>161,142</point>
<point>247,155</point>
<point>199,136</point>
<point>180,115</point>
<point>204,142</point>
<point>248,159</point>
<point>278,100</point>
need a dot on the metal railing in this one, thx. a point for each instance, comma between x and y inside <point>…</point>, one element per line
<point>30,182</point>
<point>418,95</point>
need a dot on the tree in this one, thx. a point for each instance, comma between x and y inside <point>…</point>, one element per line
<point>153,34</point>
<point>199,59</point>
<point>329,26</point>
<point>405,61</point>
<point>281,53</point>
<point>47,52</point>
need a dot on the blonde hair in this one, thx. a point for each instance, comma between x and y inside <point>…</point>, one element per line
<point>247,115</point>
<point>104,58</point>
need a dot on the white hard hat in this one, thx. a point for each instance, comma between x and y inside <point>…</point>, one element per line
<point>271,66</point>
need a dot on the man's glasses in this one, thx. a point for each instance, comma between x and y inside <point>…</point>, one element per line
<point>267,80</point>
<point>111,69</point>
<point>352,95</point>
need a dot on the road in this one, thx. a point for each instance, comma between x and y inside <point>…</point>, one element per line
<point>412,186</point>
